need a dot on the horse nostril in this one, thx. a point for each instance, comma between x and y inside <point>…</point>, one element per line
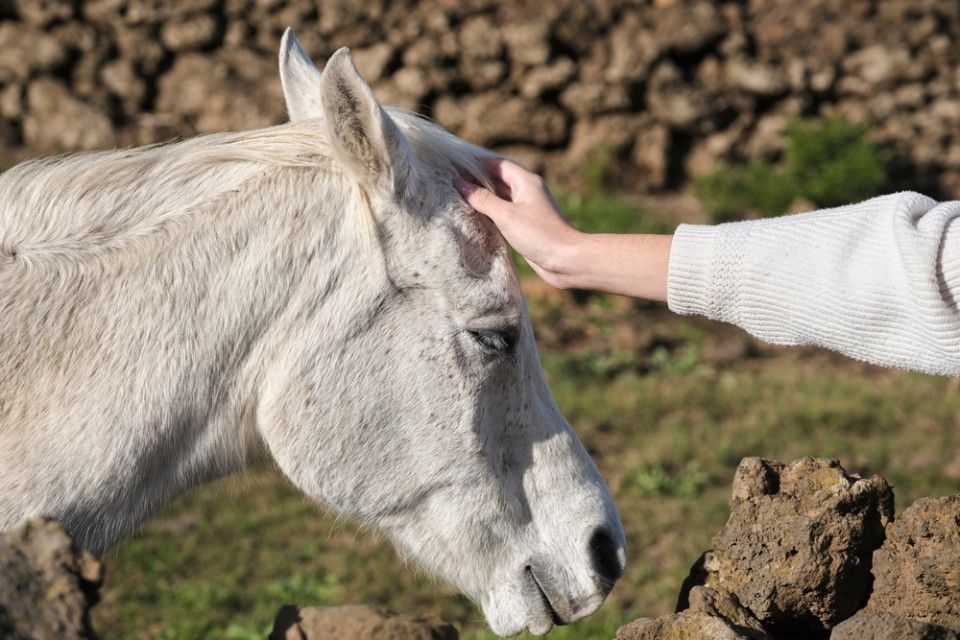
<point>603,555</point>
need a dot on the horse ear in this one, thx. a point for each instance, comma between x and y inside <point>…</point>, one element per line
<point>300,80</point>
<point>364,135</point>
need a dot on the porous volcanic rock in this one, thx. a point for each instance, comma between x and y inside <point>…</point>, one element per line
<point>796,550</point>
<point>881,625</point>
<point>356,622</point>
<point>232,89</point>
<point>713,615</point>
<point>57,120</point>
<point>917,570</point>
<point>47,584</point>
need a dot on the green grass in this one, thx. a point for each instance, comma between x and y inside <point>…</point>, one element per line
<point>609,214</point>
<point>827,162</point>
<point>733,192</point>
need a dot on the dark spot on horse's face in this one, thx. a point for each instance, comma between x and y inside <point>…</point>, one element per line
<point>475,258</point>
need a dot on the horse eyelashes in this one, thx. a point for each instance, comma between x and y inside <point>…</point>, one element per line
<point>500,341</point>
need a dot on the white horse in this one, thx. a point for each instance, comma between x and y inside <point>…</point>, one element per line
<point>315,293</point>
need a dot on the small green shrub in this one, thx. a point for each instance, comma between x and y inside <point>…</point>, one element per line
<point>833,161</point>
<point>595,365</point>
<point>658,480</point>
<point>756,187</point>
<point>596,172</point>
<point>682,362</point>
<point>598,213</point>
<point>828,162</point>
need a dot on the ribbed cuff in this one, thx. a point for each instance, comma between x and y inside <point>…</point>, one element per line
<point>689,272</point>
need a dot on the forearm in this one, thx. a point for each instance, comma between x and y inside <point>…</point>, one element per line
<point>632,265</point>
<point>877,281</point>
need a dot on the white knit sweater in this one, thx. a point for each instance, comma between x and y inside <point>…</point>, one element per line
<point>878,281</point>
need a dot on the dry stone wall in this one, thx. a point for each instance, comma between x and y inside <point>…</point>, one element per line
<point>668,88</point>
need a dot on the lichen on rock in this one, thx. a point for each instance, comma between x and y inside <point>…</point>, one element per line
<point>796,550</point>
<point>917,570</point>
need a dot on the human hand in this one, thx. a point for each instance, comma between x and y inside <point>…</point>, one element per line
<point>528,217</point>
<point>521,206</point>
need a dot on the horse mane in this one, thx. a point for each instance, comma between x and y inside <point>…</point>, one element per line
<point>63,206</point>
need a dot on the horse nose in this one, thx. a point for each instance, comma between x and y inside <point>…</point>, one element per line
<point>605,557</point>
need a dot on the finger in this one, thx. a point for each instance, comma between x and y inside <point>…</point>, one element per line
<point>483,200</point>
<point>501,188</point>
<point>491,166</point>
<point>510,173</point>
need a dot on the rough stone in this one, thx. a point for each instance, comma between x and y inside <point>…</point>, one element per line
<point>56,121</point>
<point>357,622</point>
<point>796,550</point>
<point>688,27</point>
<point>713,615</point>
<point>880,63</point>
<point>413,83</point>
<point>158,127</point>
<point>11,101</point>
<point>372,61</point>
<point>680,627</point>
<point>766,138</point>
<point>527,44</point>
<point>47,584</point>
<point>41,13</point>
<point>426,52</point>
<point>633,47</point>
<point>494,118</point>
<point>195,32</point>
<point>755,78</point>
<point>651,151</point>
<point>878,625</point>
<point>138,45</point>
<point>234,90</point>
<point>723,604</point>
<point>755,477</point>
<point>482,74</point>
<point>480,38</point>
<point>673,101</point>
<point>709,153</point>
<point>917,570</point>
<point>25,51</point>
<point>591,98</point>
<point>547,78</point>
<point>122,80</point>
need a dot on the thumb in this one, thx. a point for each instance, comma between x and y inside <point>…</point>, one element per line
<point>483,200</point>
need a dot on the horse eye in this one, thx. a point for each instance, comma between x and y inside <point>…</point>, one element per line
<point>500,341</point>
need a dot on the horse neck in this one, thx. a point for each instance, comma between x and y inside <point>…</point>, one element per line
<point>159,353</point>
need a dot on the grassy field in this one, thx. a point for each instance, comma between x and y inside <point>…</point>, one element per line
<point>666,405</point>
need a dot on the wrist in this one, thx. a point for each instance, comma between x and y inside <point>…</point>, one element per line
<point>625,264</point>
<point>573,259</point>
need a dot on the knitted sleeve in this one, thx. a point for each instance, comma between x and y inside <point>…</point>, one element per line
<point>878,281</point>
